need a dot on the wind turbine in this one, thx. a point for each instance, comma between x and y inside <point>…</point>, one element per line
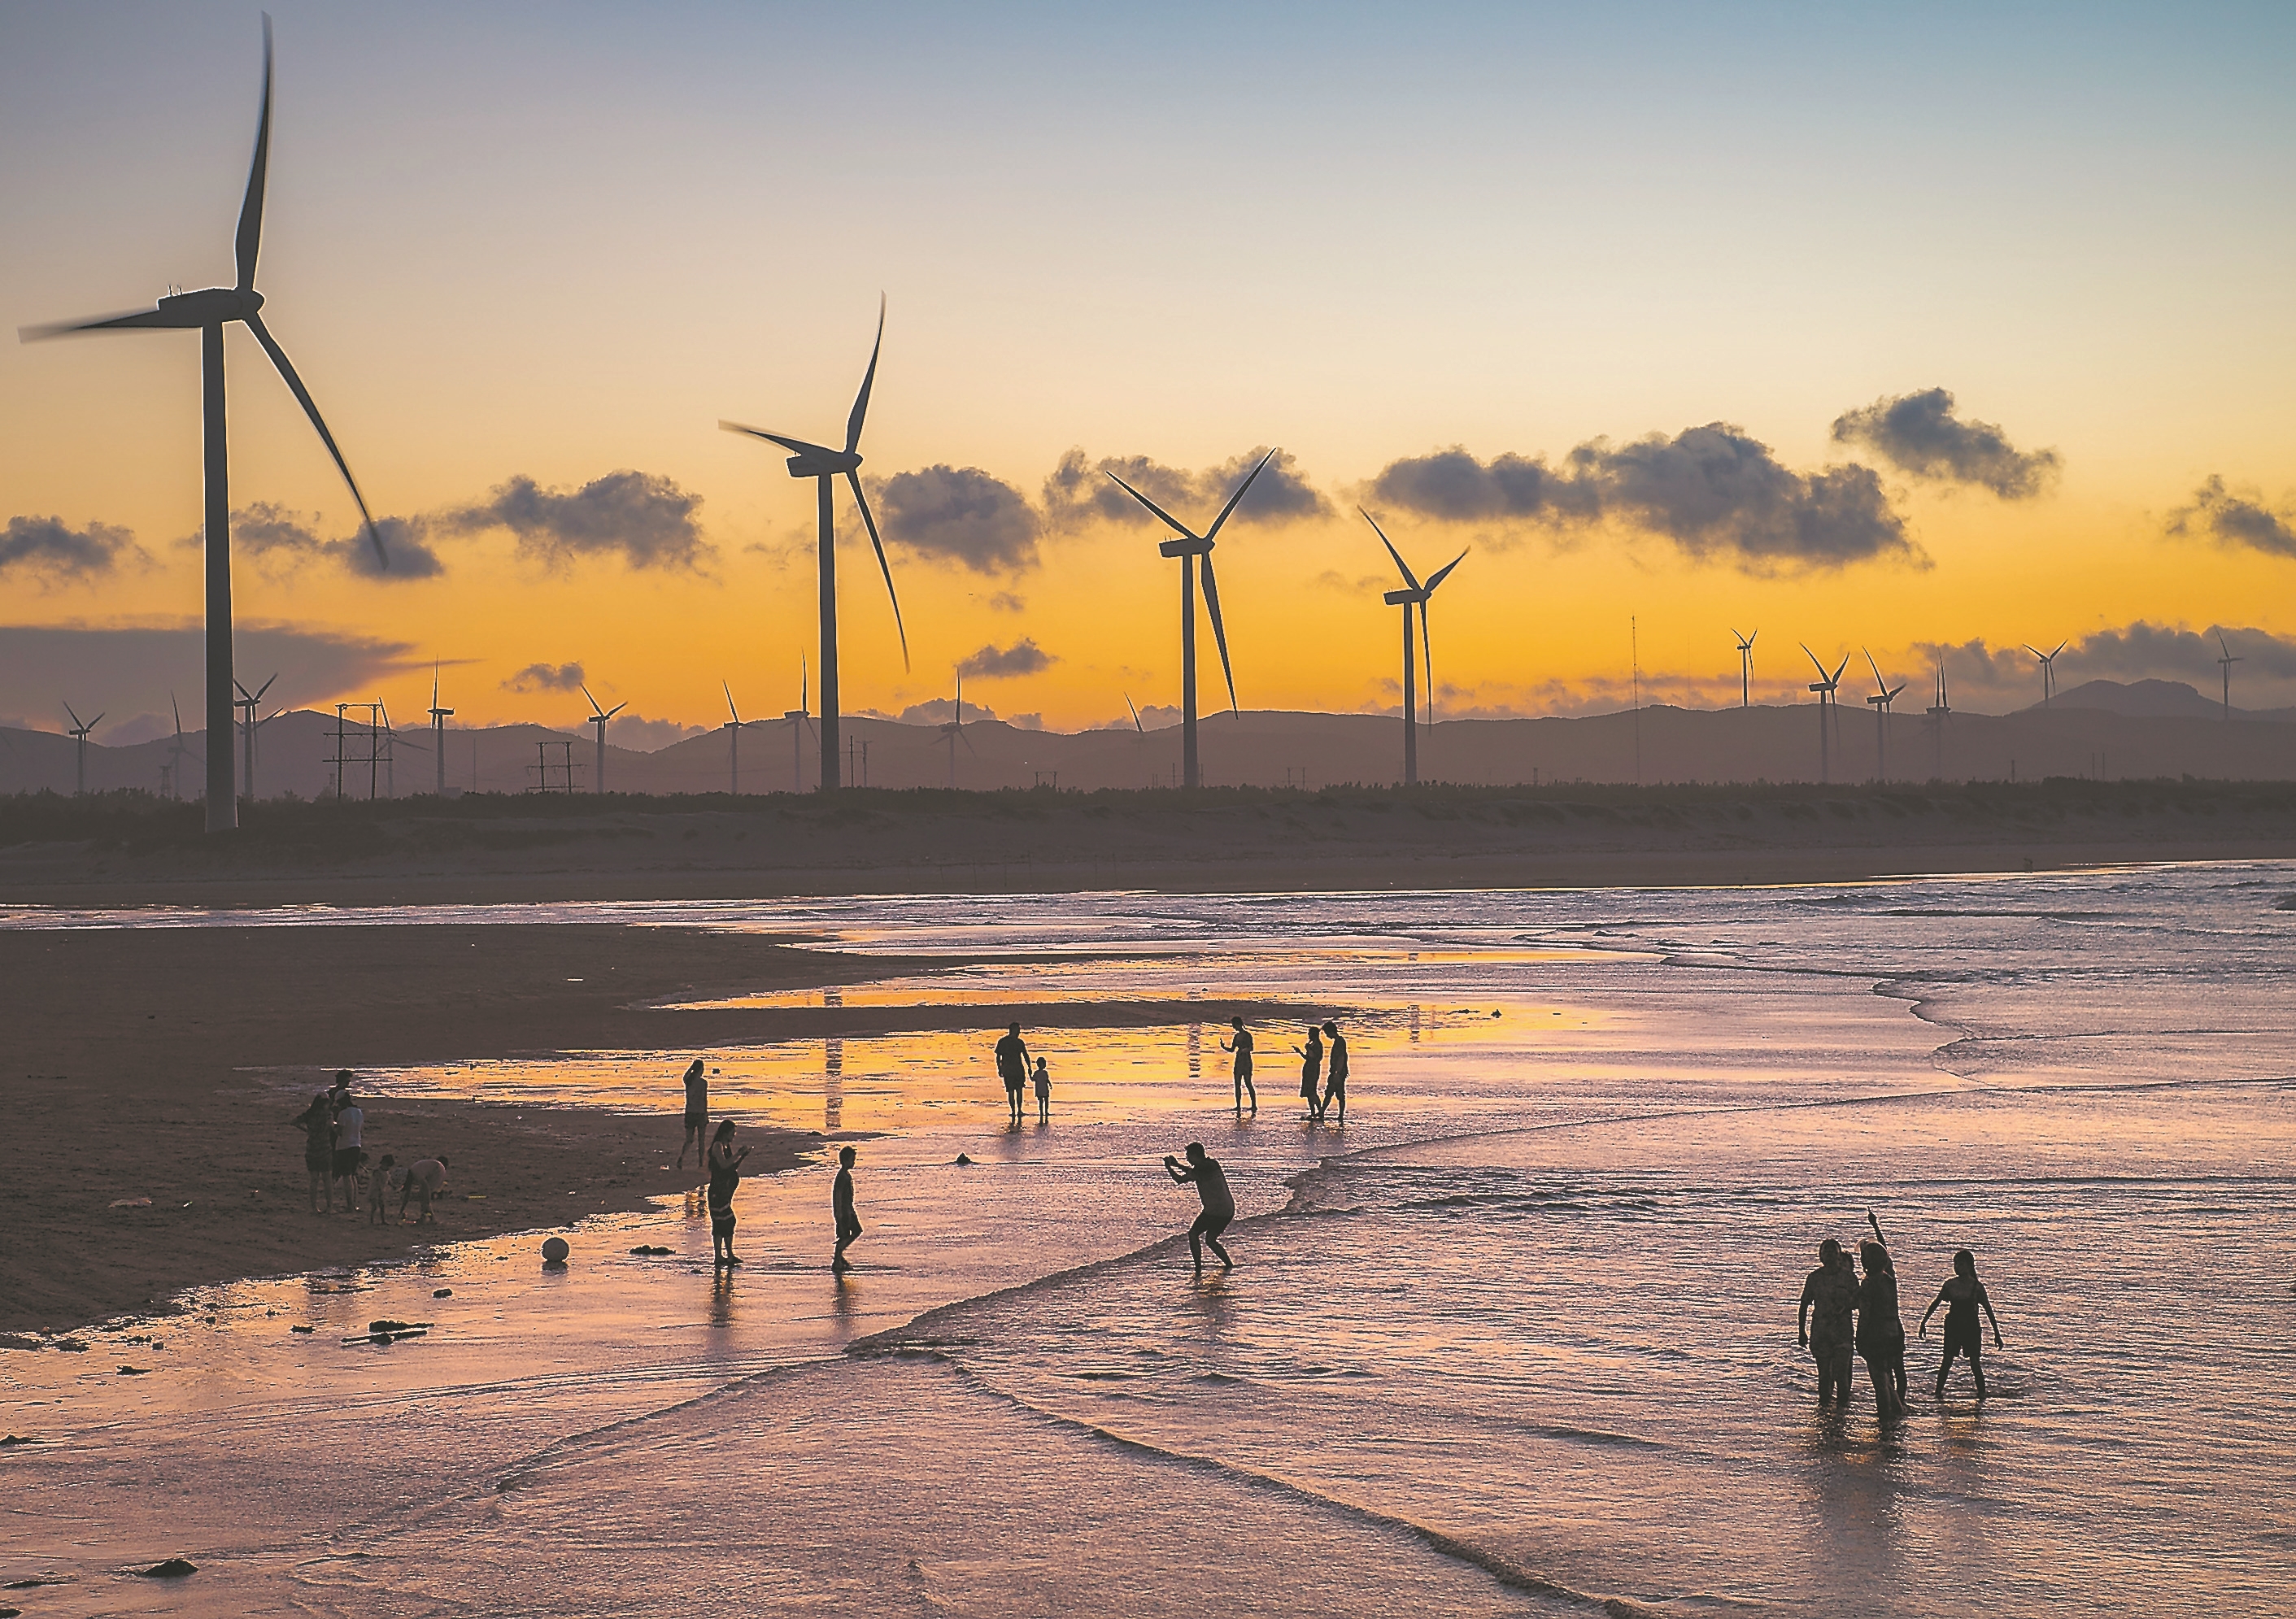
<point>1415,594</point>
<point>1940,710</point>
<point>801,721</point>
<point>439,733</point>
<point>79,730</point>
<point>178,751</point>
<point>952,731</point>
<point>1188,547</point>
<point>207,312</point>
<point>248,727</point>
<point>2225,665</point>
<point>598,718</point>
<point>1884,694</point>
<point>825,466</point>
<point>2048,669</point>
<point>1745,666</point>
<point>1827,687</point>
<point>732,730</point>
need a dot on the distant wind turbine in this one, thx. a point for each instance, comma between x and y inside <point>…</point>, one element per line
<point>250,701</point>
<point>178,751</point>
<point>2048,670</point>
<point>438,731</point>
<point>955,731</point>
<point>1414,594</point>
<point>1188,547</point>
<point>1884,694</point>
<point>825,466</point>
<point>799,721</point>
<point>2225,665</point>
<point>79,730</point>
<point>1827,687</point>
<point>732,730</point>
<point>209,312</point>
<point>598,718</point>
<point>1745,666</point>
<point>1940,711</point>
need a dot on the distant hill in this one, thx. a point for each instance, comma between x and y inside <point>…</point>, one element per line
<point>2160,700</point>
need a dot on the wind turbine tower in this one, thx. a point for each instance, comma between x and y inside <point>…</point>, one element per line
<point>2048,670</point>
<point>2223,666</point>
<point>955,731</point>
<point>799,720</point>
<point>1940,711</point>
<point>1884,694</point>
<point>1412,595</point>
<point>598,718</point>
<point>79,730</point>
<point>1188,547</point>
<point>824,466</point>
<point>732,729</point>
<point>177,751</point>
<point>207,312</point>
<point>1745,666</point>
<point>246,729</point>
<point>1826,686</point>
<point>438,734</point>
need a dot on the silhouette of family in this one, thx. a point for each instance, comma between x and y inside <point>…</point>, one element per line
<point>1842,1314</point>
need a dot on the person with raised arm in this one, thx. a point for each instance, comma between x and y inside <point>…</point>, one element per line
<point>1881,1335</point>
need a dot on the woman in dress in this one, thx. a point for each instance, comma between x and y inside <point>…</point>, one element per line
<point>1881,1335</point>
<point>1964,1296</point>
<point>1311,1072</point>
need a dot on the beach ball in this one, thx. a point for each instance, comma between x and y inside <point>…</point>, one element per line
<point>555,1251</point>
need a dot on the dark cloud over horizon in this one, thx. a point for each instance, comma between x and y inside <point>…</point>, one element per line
<point>547,677</point>
<point>2234,519</point>
<point>962,515</point>
<point>644,517</point>
<point>286,539</point>
<point>1919,435</point>
<point>1712,490</point>
<point>2137,651</point>
<point>51,547</point>
<point>134,666</point>
<point>1023,657</point>
<point>1078,491</point>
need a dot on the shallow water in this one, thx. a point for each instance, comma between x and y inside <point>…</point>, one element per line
<point>1520,1335</point>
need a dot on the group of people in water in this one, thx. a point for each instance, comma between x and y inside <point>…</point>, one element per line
<point>723,1161</point>
<point>335,1155</point>
<point>1322,1070</point>
<point>1835,1295</point>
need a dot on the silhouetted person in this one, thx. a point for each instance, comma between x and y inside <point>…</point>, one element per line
<point>1242,1046</point>
<point>1825,1322</point>
<point>1013,1068</point>
<point>1043,1092</point>
<point>1311,1071</point>
<point>378,1190</point>
<point>725,1175</point>
<point>1964,1296</point>
<point>840,1204</point>
<point>697,1113</point>
<point>350,1151</point>
<point>1881,1335</point>
<point>1335,1086</point>
<point>1210,1182</point>
<point>317,1123</point>
<point>426,1177</point>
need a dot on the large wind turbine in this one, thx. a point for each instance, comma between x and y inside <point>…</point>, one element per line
<point>825,466</point>
<point>2224,665</point>
<point>1940,711</point>
<point>79,730</point>
<point>1826,686</point>
<point>207,312</point>
<point>1884,694</point>
<point>598,718</point>
<point>1188,547</point>
<point>1745,666</point>
<point>799,720</point>
<point>1414,594</point>
<point>438,731</point>
<point>2048,669</point>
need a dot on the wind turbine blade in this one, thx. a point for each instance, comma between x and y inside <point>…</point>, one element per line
<point>1753,638</point>
<point>1892,692</point>
<point>1427,650</point>
<point>868,380</point>
<point>68,709</point>
<point>178,709</point>
<point>795,445</point>
<point>2034,651</point>
<point>1879,683</point>
<point>1403,567</point>
<point>240,688</point>
<point>128,318</point>
<point>1834,679</point>
<point>617,708</point>
<point>2226,645</point>
<point>93,724</point>
<point>251,211</point>
<point>1219,631</point>
<point>1444,572</point>
<point>1214,530</point>
<point>2061,647</point>
<point>265,686</point>
<point>736,713</point>
<point>593,702</point>
<point>1136,726</point>
<point>1806,652</point>
<point>884,566</point>
<point>969,747</point>
<point>303,396</point>
<point>1171,522</point>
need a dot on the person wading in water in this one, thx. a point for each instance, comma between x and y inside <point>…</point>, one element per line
<point>1964,1296</point>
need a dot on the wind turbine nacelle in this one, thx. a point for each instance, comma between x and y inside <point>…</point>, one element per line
<point>823,464</point>
<point>1185,548</point>
<point>212,306</point>
<point>1402,598</point>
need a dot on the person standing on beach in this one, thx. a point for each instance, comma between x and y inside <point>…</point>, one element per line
<point>378,1190</point>
<point>1043,1092</point>
<point>1881,1335</point>
<point>350,1120</point>
<point>1964,1296</point>
<point>1311,1072</point>
<point>1242,1046</point>
<point>1336,1087</point>
<point>1210,1182</point>
<point>317,1123</point>
<point>1013,1068</point>
<point>697,1115</point>
<point>1824,1321</point>
<point>725,1175</point>
<point>841,1204</point>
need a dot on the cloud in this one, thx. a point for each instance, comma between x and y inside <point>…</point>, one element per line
<point>940,711</point>
<point>547,677</point>
<point>51,547</point>
<point>642,735</point>
<point>1077,492</point>
<point>1712,490</point>
<point>1918,434</point>
<point>1026,722</point>
<point>1005,602</point>
<point>133,666</point>
<point>285,540</point>
<point>2142,649</point>
<point>2234,520</point>
<point>643,517</point>
<point>1023,657</point>
<point>962,515</point>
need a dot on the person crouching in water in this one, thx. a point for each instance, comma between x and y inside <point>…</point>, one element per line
<point>725,1175</point>
<point>1210,1182</point>
<point>1881,1335</point>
